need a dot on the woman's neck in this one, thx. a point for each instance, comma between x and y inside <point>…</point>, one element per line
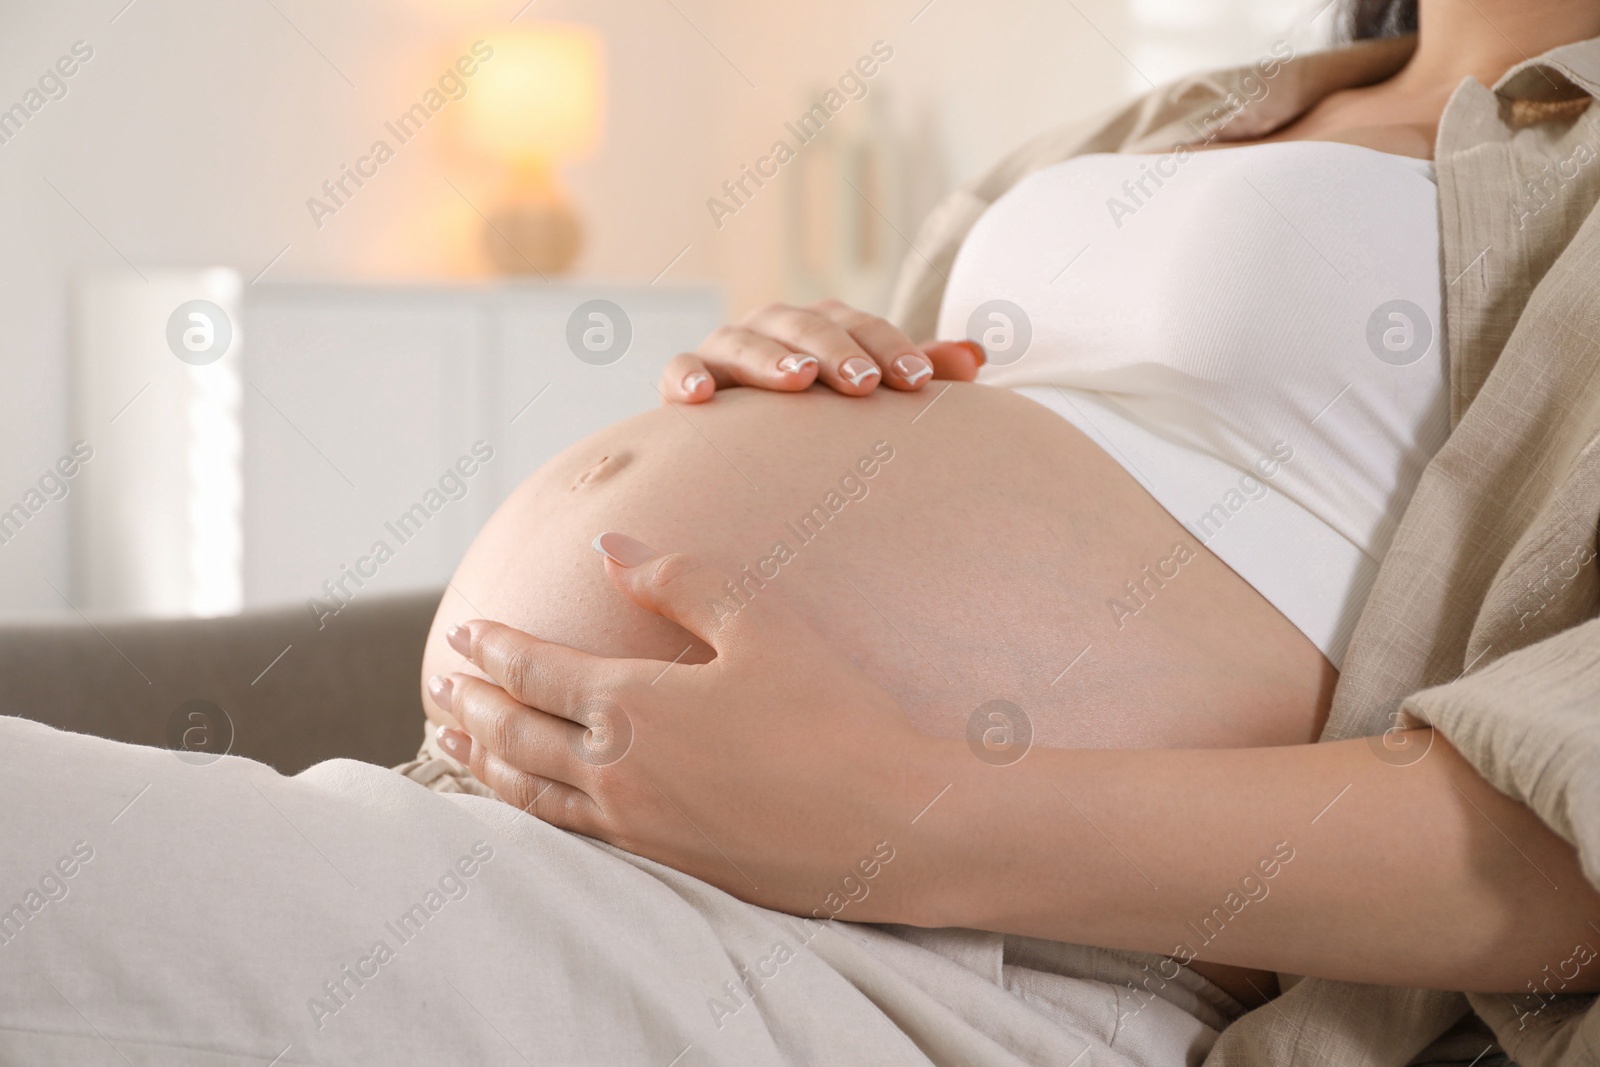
<point>1485,38</point>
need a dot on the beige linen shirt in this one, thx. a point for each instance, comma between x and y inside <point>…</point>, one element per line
<point>1482,621</point>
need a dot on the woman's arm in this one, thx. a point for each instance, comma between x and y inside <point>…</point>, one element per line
<point>1320,860</point>
<point>783,775</point>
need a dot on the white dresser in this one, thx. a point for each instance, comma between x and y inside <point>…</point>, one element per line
<point>358,409</point>
<point>358,400</point>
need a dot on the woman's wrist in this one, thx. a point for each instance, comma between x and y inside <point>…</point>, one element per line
<point>984,829</point>
<point>1084,845</point>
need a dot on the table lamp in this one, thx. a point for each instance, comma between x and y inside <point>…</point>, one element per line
<point>535,104</point>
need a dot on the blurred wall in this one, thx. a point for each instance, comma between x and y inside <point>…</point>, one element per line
<point>197,129</point>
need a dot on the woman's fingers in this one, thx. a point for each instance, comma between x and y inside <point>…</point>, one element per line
<point>955,361</point>
<point>686,591</point>
<point>736,355</point>
<point>902,364</point>
<point>688,380</point>
<point>843,363</point>
<point>528,739</point>
<point>749,357</point>
<point>676,587</point>
<point>553,678</point>
<point>787,348</point>
<point>546,799</point>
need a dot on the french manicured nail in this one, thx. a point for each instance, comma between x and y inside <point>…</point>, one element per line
<point>913,368</point>
<point>454,742</point>
<point>977,351</point>
<point>693,382</point>
<point>623,550</point>
<point>460,639</point>
<point>439,690</point>
<point>796,364</point>
<point>856,370</point>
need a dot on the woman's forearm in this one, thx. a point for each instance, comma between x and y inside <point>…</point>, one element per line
<point>1336,860</point>
<point>1319,860</point>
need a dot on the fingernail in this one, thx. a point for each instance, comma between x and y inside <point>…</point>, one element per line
<point>454,742</point>
<point>857,370</point>
<point>460,639</point>
<point>693,382</point>
<point>913,368</point>
<point>796,364</point>
<point>439,690</point>
<point>623,550</point>
<point>977,351</point>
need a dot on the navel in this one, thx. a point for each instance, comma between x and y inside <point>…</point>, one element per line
<point>603,468</point>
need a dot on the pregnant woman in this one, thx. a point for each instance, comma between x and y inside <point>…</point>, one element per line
<point>1062,636</point>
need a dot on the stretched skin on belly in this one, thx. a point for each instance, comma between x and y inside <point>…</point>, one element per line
<point>980,559</point>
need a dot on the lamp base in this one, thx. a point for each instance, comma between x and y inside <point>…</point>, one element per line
<point>533,235</point>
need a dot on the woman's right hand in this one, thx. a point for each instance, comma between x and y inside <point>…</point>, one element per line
<point>788,348</point>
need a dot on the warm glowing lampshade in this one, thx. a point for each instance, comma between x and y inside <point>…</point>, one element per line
<point>539,100</point>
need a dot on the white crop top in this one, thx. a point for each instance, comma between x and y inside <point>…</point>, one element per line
<point>1252,332</point>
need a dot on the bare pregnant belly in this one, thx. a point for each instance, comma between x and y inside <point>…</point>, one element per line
<point>980,559</point>
<point>962,547</point>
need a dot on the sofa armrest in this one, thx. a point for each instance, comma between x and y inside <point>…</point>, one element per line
<point>295,694</point>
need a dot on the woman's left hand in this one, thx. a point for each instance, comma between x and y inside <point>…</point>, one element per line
<point>776,771</point>
<point>788,349</point>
